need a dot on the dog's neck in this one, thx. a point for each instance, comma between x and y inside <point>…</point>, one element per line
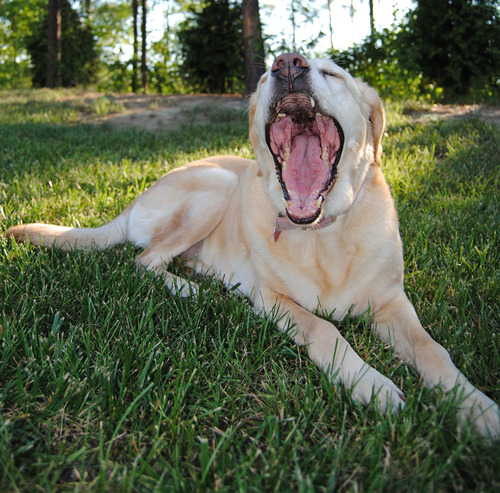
<point>284,224</point>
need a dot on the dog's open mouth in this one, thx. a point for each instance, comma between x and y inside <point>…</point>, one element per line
<point>306,146</point>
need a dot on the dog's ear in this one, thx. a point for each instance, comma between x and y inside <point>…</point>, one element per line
<point>254,140</point>
<point>252,108</point>
<point>377,118</point>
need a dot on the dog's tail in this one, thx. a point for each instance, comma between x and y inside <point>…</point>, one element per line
<point>66,238</point>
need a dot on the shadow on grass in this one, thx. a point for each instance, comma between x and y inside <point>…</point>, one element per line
<point>31,146</point>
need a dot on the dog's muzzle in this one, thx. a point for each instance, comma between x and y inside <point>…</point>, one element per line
<point>306,144</point>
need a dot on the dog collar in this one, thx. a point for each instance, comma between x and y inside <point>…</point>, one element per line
<point>284,224</point>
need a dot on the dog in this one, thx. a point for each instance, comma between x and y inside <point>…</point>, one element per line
<point>309,224</point>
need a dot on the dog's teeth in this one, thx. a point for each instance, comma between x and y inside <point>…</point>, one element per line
<point>313,104</point>
<point>326,118</point>
<point>281,115</point>
<point>287,204</point>
<point>284,164</point>
<point>286,156</point>
<point>319,201</point>
<point>324,157</point>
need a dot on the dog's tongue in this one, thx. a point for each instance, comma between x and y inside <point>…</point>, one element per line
<point>304,176</point>
<point>305,150</point>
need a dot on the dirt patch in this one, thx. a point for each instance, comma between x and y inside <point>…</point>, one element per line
<point>160,113</point>
<point>157,113</point>
<point>489,114</point>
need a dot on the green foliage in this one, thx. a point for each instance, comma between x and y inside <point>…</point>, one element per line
<point>441,50</point>
<point>375,61</point>
<point>165,75</point>
<point>212,47</point>
<point>78,52</point>
<point>455,45</point>
<point>112,27</point>
<point>17,18</point>
<point>115,76</point>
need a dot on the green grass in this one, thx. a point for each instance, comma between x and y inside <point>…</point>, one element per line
<point>107,382</point>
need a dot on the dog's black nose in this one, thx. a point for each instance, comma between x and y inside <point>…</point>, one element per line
<point>289,66</point>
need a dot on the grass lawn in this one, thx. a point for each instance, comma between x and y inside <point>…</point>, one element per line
<point>107,382</point>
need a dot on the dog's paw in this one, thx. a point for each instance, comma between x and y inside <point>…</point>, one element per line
<point>182,287</point>
<point>482,413</point>
<point>372,387</point>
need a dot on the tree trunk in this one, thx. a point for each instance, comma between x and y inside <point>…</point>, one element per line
<point>372,19</point>
<point>53,44</point>
<point>253,45</point>
<point>293,10</point>
<point>144,69</point>
<point>135,56</point>
<point>330,24</point>
<point>87,9</point>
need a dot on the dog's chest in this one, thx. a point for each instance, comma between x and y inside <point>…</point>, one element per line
<point>319,270</point>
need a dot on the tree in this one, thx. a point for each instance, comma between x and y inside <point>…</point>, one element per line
<point>330,24</point>
<point>253,45</point>
<point>144,68</point>
<point>372,19</point>
<point>76,63</point>
<point>375,61</point>
<point>211,46</point>
<point>17,19</point>
<point>164,73</point>
<point>300,12</point>
<point>454,43</point>
<point>53,76</point>
<point>87,9</point>
<point>112,28</point>
<point>135,46</point>
<point>135,54</point>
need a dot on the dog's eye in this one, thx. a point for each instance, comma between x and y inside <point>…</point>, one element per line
<point>331,74</point>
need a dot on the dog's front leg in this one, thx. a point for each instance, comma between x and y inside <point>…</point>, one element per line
<point>331,352</point>
<point>397,323</point>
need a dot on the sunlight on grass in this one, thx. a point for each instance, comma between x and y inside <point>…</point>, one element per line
<point>104,105</point>
<point>108,382</point>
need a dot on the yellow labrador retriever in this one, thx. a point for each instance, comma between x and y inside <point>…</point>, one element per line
<point>310,223</point>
